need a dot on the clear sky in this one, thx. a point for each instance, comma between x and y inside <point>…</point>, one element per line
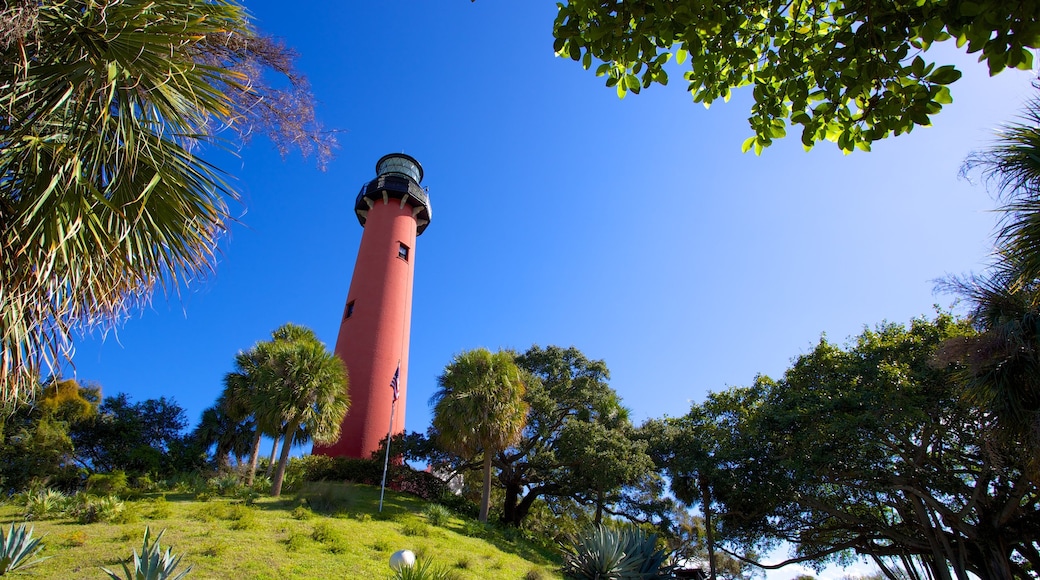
<point>632,229</point>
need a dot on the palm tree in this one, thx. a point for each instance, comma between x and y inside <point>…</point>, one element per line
<point>306,388</point>
<point>479,408</point>
<point>226,433</point>
<point>1013,167</point>
<point>244,399</point>
<point>1000,366</point>
<point>103,198</point>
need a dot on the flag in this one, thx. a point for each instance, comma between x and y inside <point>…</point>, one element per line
<point>393,382</point>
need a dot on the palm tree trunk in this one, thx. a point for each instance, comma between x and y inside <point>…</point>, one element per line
<point>283,460</point>
<point>270,461</point>
<point>709,526</point>
<point>485,496</point>
<point>253,455</point>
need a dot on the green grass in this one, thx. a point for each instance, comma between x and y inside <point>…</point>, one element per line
<point>347,538</point>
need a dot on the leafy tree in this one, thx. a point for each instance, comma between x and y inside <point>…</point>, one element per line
<point>305,386</point>
<point>698,452</point>
<point>34,438</point>
<point>133,437</point>
<point>103,197</point>
<point>578,442</point>
<point>873,449</point>
<point>848,71</point>
<point>479,408</point>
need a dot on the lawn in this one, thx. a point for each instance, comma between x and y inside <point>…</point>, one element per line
<point>327,531</point>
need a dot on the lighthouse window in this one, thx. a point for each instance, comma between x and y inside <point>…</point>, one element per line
<point>402,252</point>
<point>349,311</point>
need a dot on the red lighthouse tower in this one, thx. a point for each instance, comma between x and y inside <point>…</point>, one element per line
<point>373,333</point>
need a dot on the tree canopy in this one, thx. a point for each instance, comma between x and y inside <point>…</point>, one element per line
<point>103,196</point>
<point>479,408</point>
<point>576,435</point>
<point>847,71</point>
<point>873,449</point>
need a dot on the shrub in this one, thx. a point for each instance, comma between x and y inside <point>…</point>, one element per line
<point>151,563</point>
<point>436,514</point>
<point>324,533</point>
<point>114,483</point>
<point>191,482</point>
<point>415,528</point>
<point>474,529</point>
<point>459,504</point>
<point>262,485</point>
<point>295,541</point>
<point>45,503</point>
<point>17,548</point>
<point>88,509</point>
<point>622,553</point>
<point>225,485</point>
<point>144,483</point>
<point>302,513</point>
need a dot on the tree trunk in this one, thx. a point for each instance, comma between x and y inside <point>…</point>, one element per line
<point>599,508</point>
<point>509,507</point>
<point>485,496</point>
<point>254,455</point>
<point>709,531</point>
<point>283,460</point>
<point>270,461</point>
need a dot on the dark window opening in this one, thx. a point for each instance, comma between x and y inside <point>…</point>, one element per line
<point>402,252</point>
<point>349,311</point>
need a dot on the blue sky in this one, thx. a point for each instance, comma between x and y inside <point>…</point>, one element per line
<point>632,229</point>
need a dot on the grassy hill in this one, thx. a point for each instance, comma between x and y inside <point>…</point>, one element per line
<point>328,531</point>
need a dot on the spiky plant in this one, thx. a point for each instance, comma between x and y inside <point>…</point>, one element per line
<point>423,569</point>
<point>45,503</point>
<point>17,547</point>
<point>603,553</point>
<point>152,563</point>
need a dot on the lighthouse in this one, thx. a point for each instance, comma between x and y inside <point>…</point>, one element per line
<point>373,335</point>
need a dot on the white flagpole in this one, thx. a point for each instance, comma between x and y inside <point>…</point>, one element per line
<point>389,435</point>
<point>386,461</point>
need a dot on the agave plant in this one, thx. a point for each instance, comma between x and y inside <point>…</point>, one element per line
<point>423,569</point>
<point>625,553</point>
<point>152,563</point>
<point>16,549</point>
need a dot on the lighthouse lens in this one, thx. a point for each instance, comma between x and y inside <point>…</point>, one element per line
<point>400,166</point>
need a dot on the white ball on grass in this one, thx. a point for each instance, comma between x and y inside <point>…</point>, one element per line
<point>401,559</point>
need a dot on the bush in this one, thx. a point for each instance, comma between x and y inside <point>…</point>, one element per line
<point>88,509</point>
<point>436,514</point>
<point>302,513</point>
<point>225,485</point>
<point>114,483</point>
<point>295,541</point>
<point>45,503</point>
<point>415,528</point>
<point>459,504</point>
